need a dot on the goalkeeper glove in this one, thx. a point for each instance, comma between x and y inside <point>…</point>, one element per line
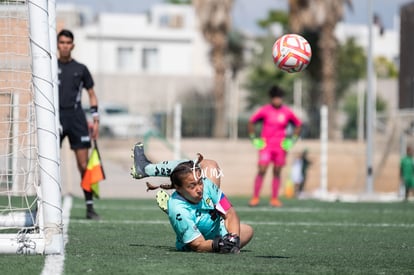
<point>258,143</point>
<point>229,243</point>
<point>287,143</point>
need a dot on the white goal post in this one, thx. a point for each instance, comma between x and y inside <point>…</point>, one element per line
<point>30,184</point>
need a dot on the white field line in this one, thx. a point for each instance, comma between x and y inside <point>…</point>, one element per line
<point>239,209</point>
<point>256,209</point>
<point>339,224</point>
<point>54,263</point>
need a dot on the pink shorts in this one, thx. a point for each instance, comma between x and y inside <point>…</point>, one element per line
<point>275,155</point>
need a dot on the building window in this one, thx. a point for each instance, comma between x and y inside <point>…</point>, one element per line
<point>174,21</point>
<point>164,19</point>
<point>150,61</point>
<point>125,58</point>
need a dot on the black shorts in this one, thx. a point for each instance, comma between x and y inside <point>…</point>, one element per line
<point>75,126</point>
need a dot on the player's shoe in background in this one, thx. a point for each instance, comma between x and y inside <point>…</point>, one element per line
<point>140,161</point>
<point>162,200</point>
<point>92,215</point>
<point>275,202</point>
<point>254,202</point>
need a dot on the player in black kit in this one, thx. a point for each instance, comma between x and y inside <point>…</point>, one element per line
<point>73,78</point>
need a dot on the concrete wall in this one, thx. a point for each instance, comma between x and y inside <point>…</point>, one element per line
<point>237,159</point>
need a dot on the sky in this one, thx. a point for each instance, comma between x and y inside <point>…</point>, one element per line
<point>246,13</point>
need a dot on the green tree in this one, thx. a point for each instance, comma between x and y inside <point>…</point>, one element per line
<point>235,51</point>
<point>351,66</point>
<point>214,17</point>
<point>273,16</point>
<point>385,68</point>
<point>178,2</point>
<point>350,130</point>
<point>350,107</point>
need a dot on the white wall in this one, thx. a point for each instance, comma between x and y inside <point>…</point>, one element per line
<point>387,45</point>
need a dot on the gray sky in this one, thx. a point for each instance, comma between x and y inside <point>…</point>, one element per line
<point>247,12</point>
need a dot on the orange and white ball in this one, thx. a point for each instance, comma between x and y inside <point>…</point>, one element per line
<point>291,53</point>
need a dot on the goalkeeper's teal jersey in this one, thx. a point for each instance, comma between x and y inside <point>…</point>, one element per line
<point>189,220</point>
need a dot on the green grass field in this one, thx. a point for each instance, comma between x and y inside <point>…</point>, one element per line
<point>303,237</point>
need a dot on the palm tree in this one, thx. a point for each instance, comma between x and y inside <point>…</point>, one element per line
<point>321,17</point>
<point>215,24</point>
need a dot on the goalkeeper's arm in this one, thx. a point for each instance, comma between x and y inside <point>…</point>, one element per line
<point>296,133</point>
<point>230,243</point>
<point>200,244</point>
<point>232,221</point>
<point>226,244</point>
<point>250,128</point>
<point>297,130</point>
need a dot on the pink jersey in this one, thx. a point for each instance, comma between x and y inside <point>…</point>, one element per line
<point>275,122</point>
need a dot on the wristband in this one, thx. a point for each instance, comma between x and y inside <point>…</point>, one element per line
<point>94,112</point>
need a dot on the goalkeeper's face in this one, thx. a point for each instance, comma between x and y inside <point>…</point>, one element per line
<point>276,101</point>
<point>192,187</point>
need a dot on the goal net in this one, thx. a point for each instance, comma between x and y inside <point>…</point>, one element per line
<point>30,191</point>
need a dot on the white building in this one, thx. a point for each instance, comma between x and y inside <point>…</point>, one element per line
<point>386,44</point>
<point>146,61</point>
<point>166,42</point>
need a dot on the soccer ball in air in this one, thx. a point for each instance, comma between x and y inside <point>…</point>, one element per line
<point>291,53</point>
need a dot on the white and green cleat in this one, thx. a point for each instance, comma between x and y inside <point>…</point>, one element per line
<point>162,200</point>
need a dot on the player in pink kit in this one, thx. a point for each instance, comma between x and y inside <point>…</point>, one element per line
<point>273,143</point>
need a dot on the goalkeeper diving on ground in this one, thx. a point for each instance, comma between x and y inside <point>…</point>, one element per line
<point>200,214</point>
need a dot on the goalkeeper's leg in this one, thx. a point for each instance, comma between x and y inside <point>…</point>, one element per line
<point>142,167</point>
<point>246,234</point>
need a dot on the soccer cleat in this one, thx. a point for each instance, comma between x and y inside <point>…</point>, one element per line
<point>162,200</point>
<point>254,202</point>
<point>140,162</point>
<point>274,202</point>
<point>92,215</point>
